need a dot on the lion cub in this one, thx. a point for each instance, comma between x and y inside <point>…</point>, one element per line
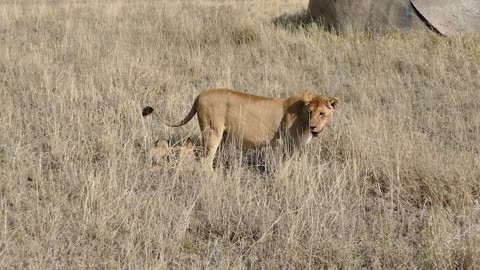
<point>162,152</point>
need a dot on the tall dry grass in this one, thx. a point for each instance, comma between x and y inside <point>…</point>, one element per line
<point>392,184</point>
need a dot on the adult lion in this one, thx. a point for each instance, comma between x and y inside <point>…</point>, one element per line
<point>255,121</point>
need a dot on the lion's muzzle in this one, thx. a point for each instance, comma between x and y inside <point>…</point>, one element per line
<point>315,132</point>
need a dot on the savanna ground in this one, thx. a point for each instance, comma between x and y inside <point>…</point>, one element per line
<point>392,184</point>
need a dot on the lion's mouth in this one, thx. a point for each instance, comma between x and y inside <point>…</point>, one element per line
<point>315,133</point>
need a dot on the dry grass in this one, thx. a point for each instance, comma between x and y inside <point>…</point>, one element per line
<point>393,183</point>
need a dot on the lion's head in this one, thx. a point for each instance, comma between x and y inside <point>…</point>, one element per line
<point>320,111</point>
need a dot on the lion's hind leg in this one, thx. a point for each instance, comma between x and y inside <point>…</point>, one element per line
<point>212,134</point>
<point>211,141</point>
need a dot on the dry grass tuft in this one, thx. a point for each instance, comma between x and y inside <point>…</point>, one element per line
<point>393,183</point>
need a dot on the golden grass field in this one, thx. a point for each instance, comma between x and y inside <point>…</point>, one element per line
<point>393,183</point>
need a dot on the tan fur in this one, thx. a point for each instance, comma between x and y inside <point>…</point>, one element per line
<point>162,152</point>
<point>254,121</point>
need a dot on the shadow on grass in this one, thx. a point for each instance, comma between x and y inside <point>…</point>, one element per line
<point>294,21</point>
<point>299,20</point>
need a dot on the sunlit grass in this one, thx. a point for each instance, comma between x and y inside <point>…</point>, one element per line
<point>393,182</point>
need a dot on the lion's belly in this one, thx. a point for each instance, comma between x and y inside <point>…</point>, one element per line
<point>249,137</point>
<point>253,125</point>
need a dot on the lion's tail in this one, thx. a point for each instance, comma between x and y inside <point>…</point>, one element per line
<point>187,118</point>
<point>148,110</point>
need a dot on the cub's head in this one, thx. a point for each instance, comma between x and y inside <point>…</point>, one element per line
<point>159,152</point>
<point>320,111</point>
<point>186,151</point>
<point>162,152</point>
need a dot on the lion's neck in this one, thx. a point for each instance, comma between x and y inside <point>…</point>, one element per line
<point>296,120</point>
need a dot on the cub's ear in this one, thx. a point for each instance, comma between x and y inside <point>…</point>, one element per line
<point>162,144</point>
<point>189,144</point>
<point>307,97</point>
<point>332,102</point>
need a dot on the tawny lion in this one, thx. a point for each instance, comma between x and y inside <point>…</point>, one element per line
<point>255,121</point>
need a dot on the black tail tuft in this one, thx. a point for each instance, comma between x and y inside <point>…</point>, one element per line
<point>146,111</point>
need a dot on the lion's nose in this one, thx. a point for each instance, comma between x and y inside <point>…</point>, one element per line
<point>312,127</point>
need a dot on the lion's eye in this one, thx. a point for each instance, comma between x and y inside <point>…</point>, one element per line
<point>322,113</point>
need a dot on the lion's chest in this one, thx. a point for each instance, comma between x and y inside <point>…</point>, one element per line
<point>306,137</point>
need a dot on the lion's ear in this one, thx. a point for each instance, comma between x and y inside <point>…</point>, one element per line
<point>307,97</point>
<point>332,102</point>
